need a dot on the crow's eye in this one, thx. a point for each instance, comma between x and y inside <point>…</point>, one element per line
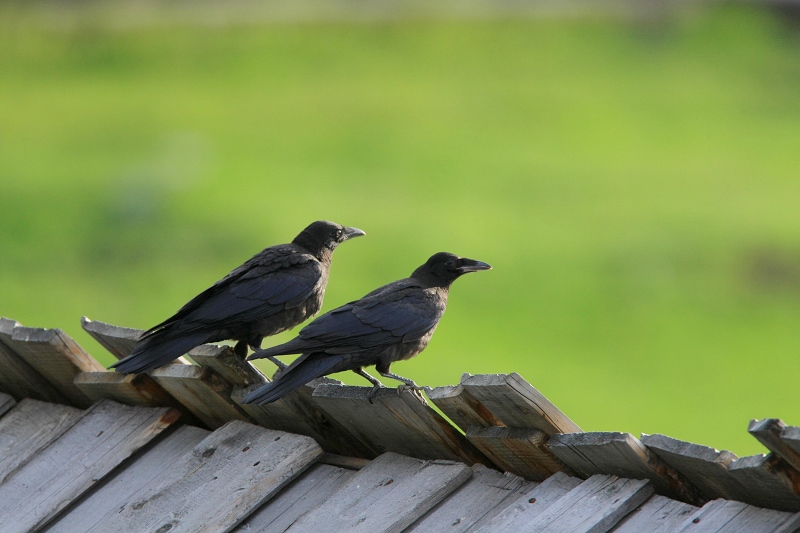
<point>338,234</point>
<point>450,263</point>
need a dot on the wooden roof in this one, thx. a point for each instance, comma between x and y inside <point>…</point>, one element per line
<point>83,449</point>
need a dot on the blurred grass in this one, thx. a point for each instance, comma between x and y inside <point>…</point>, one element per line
<point>635,187</point>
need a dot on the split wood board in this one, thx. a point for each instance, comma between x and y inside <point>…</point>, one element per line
<point>201,391</point>
<point>779,438</point>
<point>305,493</point>
<point>623,455</point>
<point>706,468</point>
<point>18,378</point>
<point>725,516</point>
<point>521,451</point>
<point>596,505</point>
<point>56,357</point>
<point>28,428</point>
<point>479,499</point>
<point>297,412</point>
<point>217,484</point>
<point>105,435</point>
<point>510,400</point>
<point>116,491</point>
<point>659,514</point>
<point>130,389</point>
<point>767,481</point>
<point>395,420</point>
<point>527,507</point>
<point>386,496</point>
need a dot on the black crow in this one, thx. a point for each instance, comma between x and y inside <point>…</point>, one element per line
<point>392,323</point>
<point>275,290</point>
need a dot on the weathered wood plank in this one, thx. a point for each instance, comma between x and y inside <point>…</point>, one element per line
<point>767,481</point>
<point>779,438</point>
<point>116,490</point>
<point>307,492</point>
<point>119,341</point>
<point>725,516</point>
<point>623,455</point>
<point>397,421</point>
<point>705,468</point>
<point>217,484</point>
<point>480,498</point>
<point>130,389</point>
<point>17,377</point>
<point>516,403</point>
<point>528,506</point>
<point>298,413</point>
<point>201,391</point>
<point>223,361</point>
<point>596,505</point>
<point>517,450</point>
<point>659,514</point>
<point>387,495</point>
<point>460,407</point>
<point>30,427</point>
<point>56,357</point>
<point>6,403</point>
<point>105,435</point>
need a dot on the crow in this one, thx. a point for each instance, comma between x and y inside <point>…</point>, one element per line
<point>275,290</point>
<point>392,323</point>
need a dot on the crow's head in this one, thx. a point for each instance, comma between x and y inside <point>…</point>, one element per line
<point>444,268</point>
<point>323,235</point>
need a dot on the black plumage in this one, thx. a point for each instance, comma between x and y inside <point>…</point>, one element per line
<point>391,323</point>
<point>275,290</point>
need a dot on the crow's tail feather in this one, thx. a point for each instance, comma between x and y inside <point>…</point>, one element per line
<point>300,372</point>
<point>155,351</point>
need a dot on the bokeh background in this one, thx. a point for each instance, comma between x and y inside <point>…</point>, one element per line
<point>630,172</point>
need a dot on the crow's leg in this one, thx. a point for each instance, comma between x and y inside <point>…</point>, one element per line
<point>376,385</point>
<point>407,383</point>
<point>256,346</point>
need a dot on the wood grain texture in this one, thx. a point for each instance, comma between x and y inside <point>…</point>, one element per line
<point>596,505</point>
<point>119,341</point>
<point>101,439</point>
<point>298,413</point>
<point>222,360</point>
<point>530,505</point>
<point>130,389</point>
<point>17,377</point>
<point>460,407</point>
<point>706,468</point>
<point>767,481</point>
<point>725,516</point>
<point>56,357</point>
<point>310,490</point>
<point>779,438</point>
<point>658,514</point>
<point>481,498</point>
<point>217,484</point>
<point>516,403</point>
<point>517,450</point>
<point>386,496</point>
<point>6,403</point>
<point>28,428</point>
<point>396,421</point>
<point>116,490</point>
<point>623,455</point>
<point>201,391</point>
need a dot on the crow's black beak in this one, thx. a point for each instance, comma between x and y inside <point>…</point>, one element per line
<point>351,233</point>
<point>470,265</point>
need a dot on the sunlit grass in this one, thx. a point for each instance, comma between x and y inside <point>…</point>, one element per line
<point>635,188</point>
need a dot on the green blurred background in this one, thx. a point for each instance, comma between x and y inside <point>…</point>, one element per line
<point>632,177</point>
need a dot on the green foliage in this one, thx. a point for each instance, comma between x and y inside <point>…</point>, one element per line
<point>635,188</point>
